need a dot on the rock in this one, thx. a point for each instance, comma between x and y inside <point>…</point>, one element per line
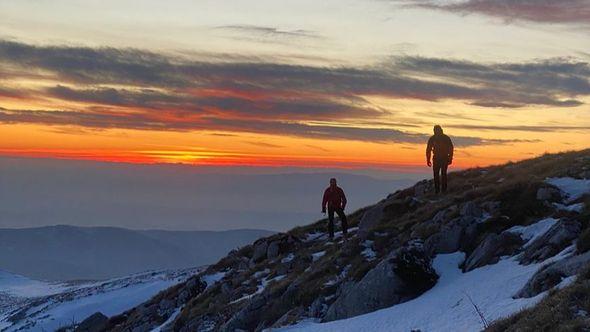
<point>557,238</point>
<point>259,251</point>
<point>470,209</point>
<point>397,207</point>
<point>491,249</point>
<point>551,275</point>
<point>248,317</point>
<point>422,188</point>
<point>273,250</point>
<point>404,275</point>
<point>447,240</point>
<point>548,194</point>
<point>370,219</point>
<point>491,207</point>
<point>166,307</point>
<point>291,317</point>
<point>318,308</point>
<point>226,288</point>
<point>95,323</point>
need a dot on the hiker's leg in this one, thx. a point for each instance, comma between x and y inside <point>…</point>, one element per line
<point>436,169</point>
<point>331,222</point>
<point>443,176</point>
<point>343,221</point>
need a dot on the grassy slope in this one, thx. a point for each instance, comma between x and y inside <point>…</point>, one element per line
<point>513,185</point>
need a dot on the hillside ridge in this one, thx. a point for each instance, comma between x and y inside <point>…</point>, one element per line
<point>524,218</point>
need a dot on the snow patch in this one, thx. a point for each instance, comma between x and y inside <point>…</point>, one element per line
<point>573,188</point>
<point>578,207</point>
<point>446,307</point>
<point>532,232</point>
<point>211,279</point>
<point>368,252</point>
<point>288,259</point>
<point>317,255</point>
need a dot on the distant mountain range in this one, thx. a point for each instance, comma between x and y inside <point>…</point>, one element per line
<point>32,305</point>
<point>78,253</point>
<point>40,192</point>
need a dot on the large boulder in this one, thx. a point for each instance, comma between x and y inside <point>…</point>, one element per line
<point>491,249</point>
<point>557,238</point>
<point>370,219</point>
<point>248,317</point>
<point>404,275</point>
<point>260,248</point>
<point>550,275</point>
<point>470,209</point>
<point>447,240</point>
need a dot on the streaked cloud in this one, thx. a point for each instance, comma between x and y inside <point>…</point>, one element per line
<point>543,11</point>
<point>146,121</point>
<point>269,32</point>
<point>136,89</point>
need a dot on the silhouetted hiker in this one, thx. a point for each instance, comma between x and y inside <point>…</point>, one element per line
<point>336,200</point>
<point>442,147</point>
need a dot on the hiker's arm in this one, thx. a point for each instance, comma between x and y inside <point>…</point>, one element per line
<point>324,201</point>
<point>343,199</point>
<point>428,151</point>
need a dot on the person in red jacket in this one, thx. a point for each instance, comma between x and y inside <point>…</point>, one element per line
<point>442,146</point>
<point>335,199</point>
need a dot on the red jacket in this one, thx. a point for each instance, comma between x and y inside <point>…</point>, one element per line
<point>335,198</point>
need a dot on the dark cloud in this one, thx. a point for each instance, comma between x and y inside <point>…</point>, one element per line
<point>522,128</point>
<point>543,11</point>
<point>265,106</point>
<point>552,82</point>
<point>134,89</point>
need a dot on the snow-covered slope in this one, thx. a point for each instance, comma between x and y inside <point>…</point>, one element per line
<point>30,305</point>
<point>451,304</point>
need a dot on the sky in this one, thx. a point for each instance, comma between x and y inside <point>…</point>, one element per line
<point>349,84</point>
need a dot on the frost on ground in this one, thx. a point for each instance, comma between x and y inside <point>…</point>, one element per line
<point>446,307</point>
<point>51,306</point>
<point>573,188</point>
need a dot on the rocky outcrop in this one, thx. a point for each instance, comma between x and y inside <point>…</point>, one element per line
<point>552,242</point>
<point>491,249</point>
<point>405,274</point>
<point>151,314</point>
<point>271,248</point>
<point>551,275</point>
<point>454,234</point>
<point>370,219</point>
<point>447,240</point>
<point>248,317</point>
<point>95,323</point>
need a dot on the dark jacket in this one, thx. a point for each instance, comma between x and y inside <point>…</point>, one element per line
<point>335,198</point>
<point>442,146</point>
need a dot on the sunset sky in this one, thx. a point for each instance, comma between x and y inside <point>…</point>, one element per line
<point>346,83</point>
